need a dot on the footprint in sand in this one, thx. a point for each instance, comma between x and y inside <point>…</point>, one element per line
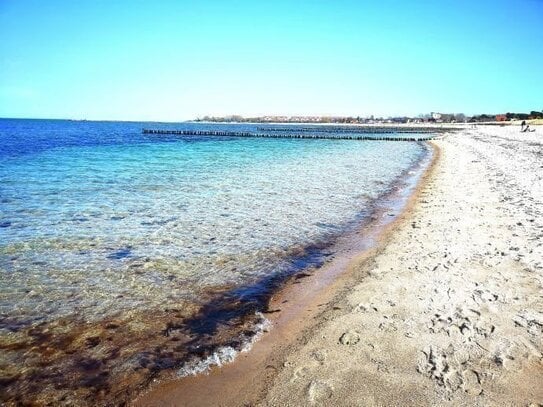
<point>447,367</point>
<point>318,391</point>
<point>362,307</point>
<point>319,355</point>
<point>484,295</point>
<point>452,380</point>
<point>531,320</point>
<point>471,383</point>
<point>388,326</point>
<point>461,356</point>
<point>300,373</point>
<point>349,338</point>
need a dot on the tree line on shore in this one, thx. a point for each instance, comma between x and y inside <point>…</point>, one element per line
<point>507,116</point>
<point>433,117</point>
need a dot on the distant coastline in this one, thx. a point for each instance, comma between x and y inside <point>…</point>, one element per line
<point>533,118</point>
<point>433,117</point>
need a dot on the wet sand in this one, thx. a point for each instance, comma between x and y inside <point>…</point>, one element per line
<point>447,309</point>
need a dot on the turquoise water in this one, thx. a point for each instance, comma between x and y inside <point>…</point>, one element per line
<point>84,224</point>
<point>98,219</point>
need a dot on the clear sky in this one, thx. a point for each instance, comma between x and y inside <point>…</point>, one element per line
<point>176,60</point>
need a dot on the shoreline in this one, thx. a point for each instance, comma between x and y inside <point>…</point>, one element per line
<point>295,305</point>
<point>447,310</point>
<point>117,357</point>
<point>450,311</point>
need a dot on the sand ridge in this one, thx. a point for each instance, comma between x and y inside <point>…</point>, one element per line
<point>451,311</point>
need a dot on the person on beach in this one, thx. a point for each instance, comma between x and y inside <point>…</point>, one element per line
<point>522,125</point>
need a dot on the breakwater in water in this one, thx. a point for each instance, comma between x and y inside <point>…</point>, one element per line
<point>289,135</point>
<point>360,129</point>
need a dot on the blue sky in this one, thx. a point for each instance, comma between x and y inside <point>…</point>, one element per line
<point>176,60</point>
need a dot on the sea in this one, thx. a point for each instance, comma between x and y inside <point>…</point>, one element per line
<point>125,256</point>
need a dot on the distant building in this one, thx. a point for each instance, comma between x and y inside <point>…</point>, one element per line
<point>443,117</point>
<point>501,117</point>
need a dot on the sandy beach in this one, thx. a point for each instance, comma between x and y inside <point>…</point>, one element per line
<point>451,310</point>
<point>269,204</point>
<point>447,310</point>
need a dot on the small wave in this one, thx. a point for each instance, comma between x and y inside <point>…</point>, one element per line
<point>226,354</point>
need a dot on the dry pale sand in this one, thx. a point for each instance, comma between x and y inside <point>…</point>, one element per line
<point>450,312</point>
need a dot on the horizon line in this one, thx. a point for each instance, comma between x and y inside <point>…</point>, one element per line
<point>253,117</point>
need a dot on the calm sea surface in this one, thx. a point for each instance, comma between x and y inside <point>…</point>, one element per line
<point>99,221</point>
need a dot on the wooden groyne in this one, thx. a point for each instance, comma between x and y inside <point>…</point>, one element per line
<point>284,135</point>
<point>360,129</point>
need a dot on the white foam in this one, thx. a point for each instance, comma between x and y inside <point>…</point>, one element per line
<point>225,354</point>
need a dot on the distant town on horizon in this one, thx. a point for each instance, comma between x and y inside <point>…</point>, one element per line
<point>433,117</point>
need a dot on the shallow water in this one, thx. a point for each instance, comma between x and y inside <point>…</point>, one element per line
<point>101,222</point>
